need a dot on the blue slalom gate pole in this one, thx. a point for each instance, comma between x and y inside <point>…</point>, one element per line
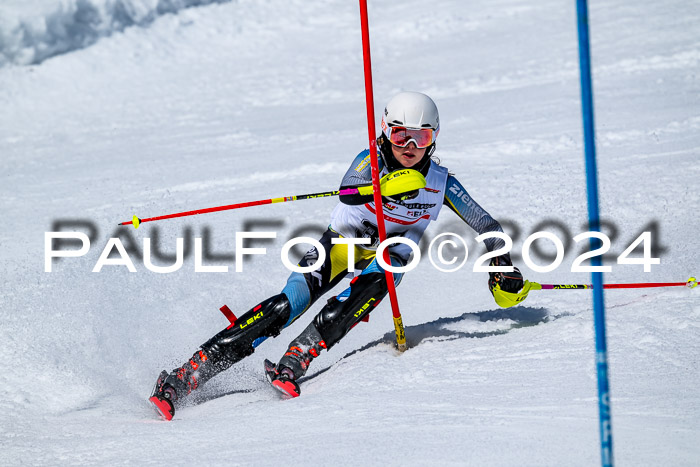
<point>601,354</point>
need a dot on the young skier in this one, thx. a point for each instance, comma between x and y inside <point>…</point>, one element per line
<point>410,126</point>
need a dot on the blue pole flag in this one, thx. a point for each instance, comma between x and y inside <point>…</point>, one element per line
<point>606,441</point>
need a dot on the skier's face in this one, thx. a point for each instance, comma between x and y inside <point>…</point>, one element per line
<point>409,155</point>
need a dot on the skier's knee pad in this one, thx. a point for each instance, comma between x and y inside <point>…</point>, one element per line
<point>263,320</point>
<point>338,317</point>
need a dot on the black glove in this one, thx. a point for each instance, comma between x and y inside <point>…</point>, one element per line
<point>509,281</point>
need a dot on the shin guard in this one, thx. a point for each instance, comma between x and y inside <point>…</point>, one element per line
<point>231,345</point>
<point>336,319</point>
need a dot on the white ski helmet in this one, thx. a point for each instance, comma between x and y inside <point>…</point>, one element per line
<point>411,110</point>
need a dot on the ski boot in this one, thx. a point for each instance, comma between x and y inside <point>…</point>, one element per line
<point>163,397</point>
<point>295,362</point>
<point>282,379</point>
<point>219,353</point>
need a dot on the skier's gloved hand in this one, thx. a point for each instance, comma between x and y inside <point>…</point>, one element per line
<point>498,278</point>
<point>507,288</point>
<point>508,281</point>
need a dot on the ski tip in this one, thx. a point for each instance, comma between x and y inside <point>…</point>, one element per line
<point>163,407</point>
<point>136,221</point>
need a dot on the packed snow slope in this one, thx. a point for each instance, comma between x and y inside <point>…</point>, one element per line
<point>248,100</point>
<point>33,30</point>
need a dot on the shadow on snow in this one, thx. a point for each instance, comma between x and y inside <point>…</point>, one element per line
<point>519,317</point>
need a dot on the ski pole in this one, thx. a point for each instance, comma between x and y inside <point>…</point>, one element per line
<point>136,221</point>
<point>511,299</point>
<point>692,282</point>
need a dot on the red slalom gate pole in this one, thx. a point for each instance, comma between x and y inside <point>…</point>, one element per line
<point>398,323</point>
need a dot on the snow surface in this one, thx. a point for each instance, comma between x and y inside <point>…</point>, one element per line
<point>33,30</point>
<point>249,100</point>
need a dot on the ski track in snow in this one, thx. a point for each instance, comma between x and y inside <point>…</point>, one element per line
<point>238,101</point>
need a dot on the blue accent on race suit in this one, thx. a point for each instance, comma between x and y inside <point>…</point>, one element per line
<point>298,294</point>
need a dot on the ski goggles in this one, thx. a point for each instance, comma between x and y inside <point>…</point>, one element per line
<point>402,136</point>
